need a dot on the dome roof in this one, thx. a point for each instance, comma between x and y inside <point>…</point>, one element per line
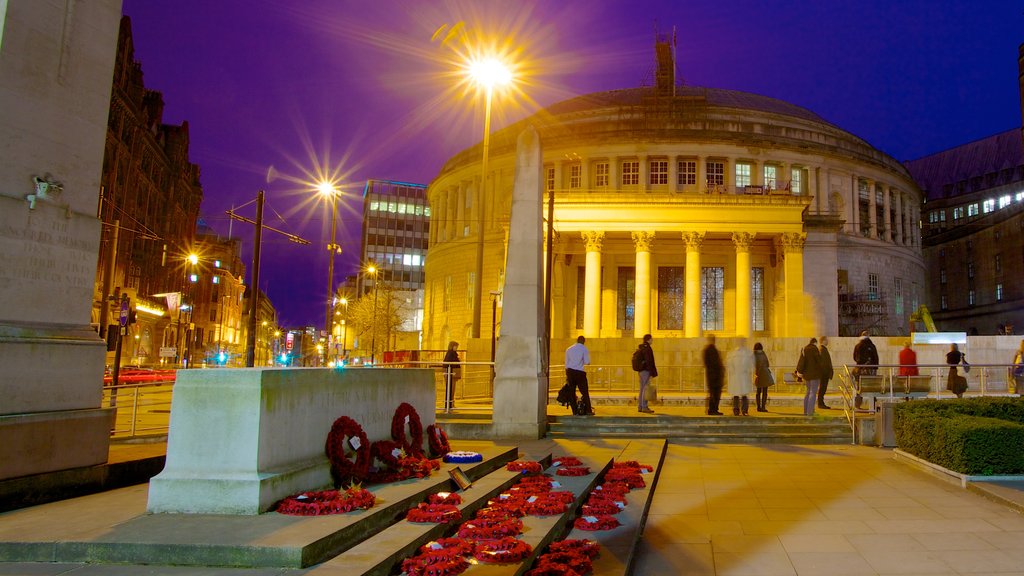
<point>715,97</point>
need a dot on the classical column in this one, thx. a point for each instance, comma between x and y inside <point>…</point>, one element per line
<point>693,241</point>
<point>449,215</point>
<point>644,173</point>
<point>460,207</point>
<point>887,211</point>
<point>791,245</point>
<point>440,234</point>
<point>743,240</point>
<point>614,185</point>
<point>899,218</point>
<point>642,301</point>
<point>592,291</point>
<point>756,173</point>
<point>854,219</point>
<point>701,183</point>
<point>872,210</point>
<point>673,174</point>
<point>585,174</point>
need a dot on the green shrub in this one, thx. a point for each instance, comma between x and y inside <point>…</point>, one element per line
<point>974,436</point>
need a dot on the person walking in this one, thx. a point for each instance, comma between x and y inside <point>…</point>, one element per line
<point>955,383</point>
<point>865,355</point>
<point>714,375</point>
<point>648,370</point>
<point>741,377</point>
<point>826,372</point>
<point>808,367</point>
<point>452,374</point>
<point>1018,370</point>
<point>762,377</point>
<point>576,357</point>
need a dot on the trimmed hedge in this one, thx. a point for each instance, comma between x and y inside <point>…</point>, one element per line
<point>977,436</point>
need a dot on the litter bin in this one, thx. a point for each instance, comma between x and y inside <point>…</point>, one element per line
<point>884,412</point>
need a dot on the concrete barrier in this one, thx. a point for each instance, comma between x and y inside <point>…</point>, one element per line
<point>240,440</point>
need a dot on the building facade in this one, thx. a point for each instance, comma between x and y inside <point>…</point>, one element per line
<point>682,211</point>
<point>149,202</point>
<point>215,296</point>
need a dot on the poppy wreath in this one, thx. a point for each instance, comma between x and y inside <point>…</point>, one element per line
<point>567,461</point>
<point>600,508</point>
<point>502,511</point>
<point>546,507</point>
<point>551,568</point>
<point>445,498</point>
<point>343,432</point>
<point>633,464</point>
<point>323,502</point>
<point>413,445</point>
<point>490,528</point>
<point>435,563</point>
<point>502,551</point>
<point>633,481</point>
<point>589,548</point>
<point>452,546</point>
<point>462,457</point>
<point>416,467</point>
<point>573,471</point>
<point>617,488</point>
<point>524,466</point>
<point>437,441</point>
<point>434,513</point>
<point>603,522</point>
<point>387,452</point>
<point>563,496</point>
<point>540,482</point>
<point>580,562</point>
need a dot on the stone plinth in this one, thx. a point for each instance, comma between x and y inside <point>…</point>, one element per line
<point>240,440</point>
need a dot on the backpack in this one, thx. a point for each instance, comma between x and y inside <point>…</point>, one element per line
<point>638,360</point>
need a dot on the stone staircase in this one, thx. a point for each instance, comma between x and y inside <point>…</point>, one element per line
<point>705,430</point>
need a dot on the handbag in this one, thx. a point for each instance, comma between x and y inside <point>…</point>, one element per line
<point>967,366</point>
<point>651,393</point>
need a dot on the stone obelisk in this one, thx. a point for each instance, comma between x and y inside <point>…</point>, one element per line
<point>520,385</point>
<point>56,70</point>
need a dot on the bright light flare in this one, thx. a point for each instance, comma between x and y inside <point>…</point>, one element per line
<point>193,259</point>
<point>327,188</point>
<point>489,72</point>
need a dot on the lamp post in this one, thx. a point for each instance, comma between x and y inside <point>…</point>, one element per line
<point>328,189</point>
<point>344,327</point>
<point>495,294</point>
<point>373,334</point>
<point>193,259</point>
<point>486,73</point>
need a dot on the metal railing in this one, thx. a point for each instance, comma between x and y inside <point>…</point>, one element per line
<point>143,409</point>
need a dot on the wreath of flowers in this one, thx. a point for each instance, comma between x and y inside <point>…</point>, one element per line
<point>406,412</point>
<point>445,498</point>
<point>524,466</point>
<point>437,441</point>
<point>546,508</point>
<point>592,523</point>
<point>580,562</point>
<point>502,551</point>
<point>551,568</point>
<point>589,548</point>
<point>540,482</point>
<point>633,464</point>
<point>600,508</point>
<point>616,488</point>
<point>502,510</point>
<point>463,457</point>
<point>437,563</point>
<point>435,514</point>
<point>453,546</point>
<point>490,528</point>
<point>343,432</point>
<point>567,461</point>
<point>573,471</point>
<point>323,502</point>
<point>387,452</point>
<point>632,481</point>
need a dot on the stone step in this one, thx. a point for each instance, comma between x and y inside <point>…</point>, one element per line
<point>265,540</point>
<point>711,430</point>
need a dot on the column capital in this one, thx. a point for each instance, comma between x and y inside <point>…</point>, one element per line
<point>743,240</point>
<point>642,241</point>
<point>593,240</point>
<point>791,242</point>
<point>693,241</point>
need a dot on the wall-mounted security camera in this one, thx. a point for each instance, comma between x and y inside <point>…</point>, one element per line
<point>44,188</point>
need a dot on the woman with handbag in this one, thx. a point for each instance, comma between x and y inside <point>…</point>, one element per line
<point>452,374</point>
<point>762,377</point>
<point>956,383</point>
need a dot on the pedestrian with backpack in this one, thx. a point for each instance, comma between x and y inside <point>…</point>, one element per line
<point>643,363</point>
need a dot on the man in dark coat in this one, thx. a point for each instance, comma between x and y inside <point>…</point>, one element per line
<point>866,356</point>
<point>809,368</point>
<point>826,371</point>
<point>648,370</point>
<point>714,372</point>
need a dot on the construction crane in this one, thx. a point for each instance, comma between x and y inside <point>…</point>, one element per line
<point>924,316</point>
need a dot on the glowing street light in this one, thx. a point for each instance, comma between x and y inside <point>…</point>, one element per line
<point>487,73</point>
<point>327,189</point>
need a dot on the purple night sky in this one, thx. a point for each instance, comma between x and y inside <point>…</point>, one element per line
<point>359,90</point>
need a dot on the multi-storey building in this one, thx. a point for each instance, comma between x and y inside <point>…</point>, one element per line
<point>682,211</point>
<point>396,226</point>
<point>215,335</point>
<point>149,203</point>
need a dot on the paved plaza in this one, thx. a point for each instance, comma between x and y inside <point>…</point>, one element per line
<point>721,510</point>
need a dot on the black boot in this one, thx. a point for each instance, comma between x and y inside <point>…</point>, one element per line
<point>745,406</point>
<point>735,405</point>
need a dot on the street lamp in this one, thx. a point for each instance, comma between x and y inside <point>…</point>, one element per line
<point>344,327</point>
<point>495,294</point>
<point>192,259</point>
<point>328,190</point>
<point>487,73</point>
<point>371,269</point>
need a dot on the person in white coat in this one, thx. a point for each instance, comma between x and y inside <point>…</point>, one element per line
<point>740,371</point>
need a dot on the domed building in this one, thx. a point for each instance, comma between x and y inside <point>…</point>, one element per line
<point>681,211</point>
